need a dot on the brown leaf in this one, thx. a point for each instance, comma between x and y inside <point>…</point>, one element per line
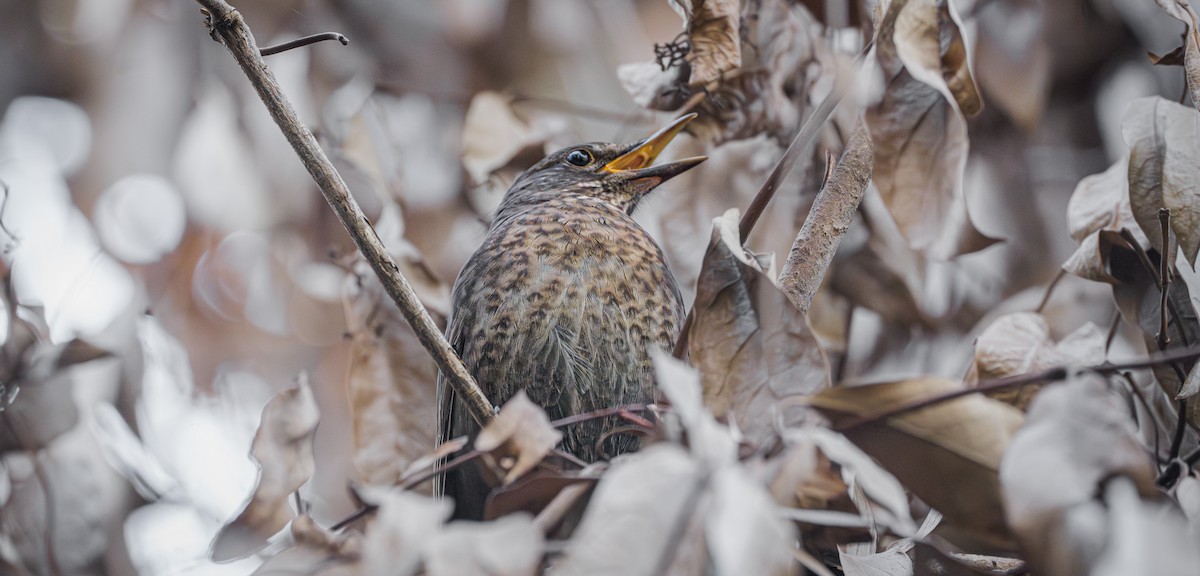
<point>929,41</point>
<point>918,130</point>
<point>392,384</point>
<point>750,344</point>
<point>1144,537</point>
<point>508,546</point>
<point>519,437</point>
<point>1076,436</point>
<point>283,450</point>
<point>948,454</point>
<point>713,28</point>
<point>1164,170</point>
<point>1182,10</point>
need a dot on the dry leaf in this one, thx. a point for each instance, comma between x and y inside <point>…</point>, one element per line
<point>750,344</point>
<point>891,562</point>
<point>1182,10</point>
<point>713,29</point>
<point>948,454</point>
<point>1143,537</point>
<point>886,501</point>
<point>744,531</point>
<point>1100,203</point>
<point>929,41</point>
<point>1020,343</point>
<point>918,130</point>
<point>1077,435</point>
<point>392,383</point>
<point>1012,59</point>
<point>709,442</point>
<point>508,546</point>
<point>1164,170</point>
<point>283,450</point>
<point>403,528</point>
<point>519,437</point>
<point>493,135</point>
<point>640,506</point>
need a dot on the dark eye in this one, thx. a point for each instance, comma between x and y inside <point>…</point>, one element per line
<point>579,157</point>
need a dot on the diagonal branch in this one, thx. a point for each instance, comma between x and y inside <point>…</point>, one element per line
<point>227,27</point>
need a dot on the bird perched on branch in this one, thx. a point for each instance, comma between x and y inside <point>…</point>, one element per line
<point>565,298</point>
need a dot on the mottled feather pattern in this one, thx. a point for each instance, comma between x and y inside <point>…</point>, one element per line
<point>562,272</point>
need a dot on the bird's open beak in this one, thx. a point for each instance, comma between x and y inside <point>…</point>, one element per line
<point>636,163</point>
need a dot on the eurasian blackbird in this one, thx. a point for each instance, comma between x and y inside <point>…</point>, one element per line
<point>565,298</point>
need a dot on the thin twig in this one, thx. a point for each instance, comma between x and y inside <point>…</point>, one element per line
<point>227,27</point>
<point>407,485</point>
<point>1050,290</point>
<point>305,41</point>
<point>1163,338</point>
<point>1051,375</point>
<point>598,414</point>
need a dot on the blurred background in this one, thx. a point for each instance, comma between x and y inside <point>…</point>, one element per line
<point>174,264</point>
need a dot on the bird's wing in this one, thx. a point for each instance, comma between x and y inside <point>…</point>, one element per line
<point>446,401</point>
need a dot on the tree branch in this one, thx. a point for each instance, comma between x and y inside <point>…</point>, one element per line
<point>828,220</point>
<point>227,27</point>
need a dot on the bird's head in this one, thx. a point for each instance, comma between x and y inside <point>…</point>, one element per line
<point>617,173</point>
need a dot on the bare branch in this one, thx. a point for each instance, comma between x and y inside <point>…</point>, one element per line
<point>305,41</point>
<point>830,217</point>
<point>227,27</point>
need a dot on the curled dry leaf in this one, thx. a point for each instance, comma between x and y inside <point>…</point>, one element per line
<point>713,32</point>
<point>519,437</point>
<point>404,526</point>
<point>509,546</point>
<point>918,129</point>
<point>392,384</point>
<point>1182,10</point>
<point>948,453</point>
<point>1100,204</point>
<point>1020,343</point>
<point>751,345</point>
<point>640,513</point>
<point>283,450</point>
<point>1077,435</point>
<point>1164,170</point>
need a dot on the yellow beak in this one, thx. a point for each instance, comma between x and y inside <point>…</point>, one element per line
<point>643,154</point>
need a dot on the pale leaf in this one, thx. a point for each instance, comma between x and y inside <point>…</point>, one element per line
<point>1182,10</point>
<point>404,525</point>
<point>509,546</point>
<point>709,441</point>
<point>493,135</point>
<point>1076,436</point>
<point>891,562</point>
<point>519,437</point>
<point>1164,170</point>
<point>744,531</point>
<point>635,512</point>
<point>283,450</point>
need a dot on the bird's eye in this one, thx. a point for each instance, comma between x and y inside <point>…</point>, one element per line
<point>579,157</point>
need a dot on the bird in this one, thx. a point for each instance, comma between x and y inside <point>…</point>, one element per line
<point>564,299</point>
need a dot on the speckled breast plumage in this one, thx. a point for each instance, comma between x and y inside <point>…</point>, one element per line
<point>564,299</point>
